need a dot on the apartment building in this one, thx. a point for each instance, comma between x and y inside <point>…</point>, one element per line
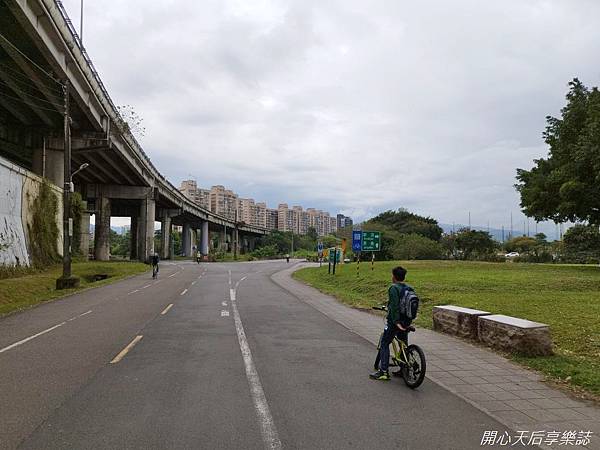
<point>343,221</point>
<point>285,219</point>
<point>224,202</point>
<point>227,203</point>
<point>272,219</point>
<point>198,195</point>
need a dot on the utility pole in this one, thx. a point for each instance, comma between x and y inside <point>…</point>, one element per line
<point>67,281</point>
<point>469,220</point>
<point>511,226</point>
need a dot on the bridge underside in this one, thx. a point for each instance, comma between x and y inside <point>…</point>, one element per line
<point>35,61</point>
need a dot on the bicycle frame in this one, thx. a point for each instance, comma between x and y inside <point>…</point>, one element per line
<point>398,353</point>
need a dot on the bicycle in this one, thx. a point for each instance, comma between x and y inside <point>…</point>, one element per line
<point>409,358</point>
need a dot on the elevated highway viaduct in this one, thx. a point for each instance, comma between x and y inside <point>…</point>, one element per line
<point>41,59</point>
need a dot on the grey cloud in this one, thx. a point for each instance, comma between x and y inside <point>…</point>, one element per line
<point>430,105</point>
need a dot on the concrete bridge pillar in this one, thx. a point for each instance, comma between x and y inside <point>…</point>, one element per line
<point>165,237</point>
<point>223,239</point>
<point>204,239</point>
<point>84,231</point>
<point>102,229</point>
<point>146,229</point>
<point>50,163</point>
<point>133,236</point>
<point>186,240</point>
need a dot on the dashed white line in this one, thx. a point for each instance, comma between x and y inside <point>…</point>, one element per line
<point>166,310</point>
<point>80,315</point>
<point>16,344</point>
<point>193,282</point>
<point>133,292</point>
<point>183,292</point>
<point>229,277</point>
<point>126,350</point>
<point>267,426</point>
<point>223,303</point>
<point>173,274</point>
<point>147,286</point>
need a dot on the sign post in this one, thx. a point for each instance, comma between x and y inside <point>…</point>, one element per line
<point>371,242</point>
<point>357,247</point>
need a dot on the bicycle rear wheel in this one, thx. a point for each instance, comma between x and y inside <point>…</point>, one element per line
<point>414,371</point>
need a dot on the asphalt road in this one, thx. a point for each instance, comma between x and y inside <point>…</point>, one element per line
<point>235,362</point>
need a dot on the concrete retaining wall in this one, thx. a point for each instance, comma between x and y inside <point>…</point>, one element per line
<point>18,190</point>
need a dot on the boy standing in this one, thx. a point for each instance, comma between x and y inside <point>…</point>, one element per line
<point>397,323</point>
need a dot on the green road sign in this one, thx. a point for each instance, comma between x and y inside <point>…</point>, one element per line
<point>371,241</point>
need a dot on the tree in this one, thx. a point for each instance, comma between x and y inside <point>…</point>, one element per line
<point>415,246</point>
<point>581,244</point>
<point>521,244</point>
<point>471,243</point>
<point>131,120</point>
<point>405,222</point>
<point>565,186</point>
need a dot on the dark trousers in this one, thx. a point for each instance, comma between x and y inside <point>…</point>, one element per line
<point>390,332</point>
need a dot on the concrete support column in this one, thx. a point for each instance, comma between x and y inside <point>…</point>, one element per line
<point>223,240</point>
<point>165,237</point>
<point>84,230</point>
<point>204,239</point>
<point>50,163</point>
<point>102,229</point>
<point>133,236</point>
<point>186,240</point>
<point>146,229</point>
<point>252,243</point>
<point>236,242</point>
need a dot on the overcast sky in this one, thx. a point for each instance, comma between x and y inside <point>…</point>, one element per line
<point>347,105</point>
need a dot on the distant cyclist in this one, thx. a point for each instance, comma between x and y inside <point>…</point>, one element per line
<point>155,260</point>
<point>397,323</point>
<point>198,257</point>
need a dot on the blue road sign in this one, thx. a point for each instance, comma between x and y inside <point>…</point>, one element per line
<point>320,247</point>
<point>356,241</point>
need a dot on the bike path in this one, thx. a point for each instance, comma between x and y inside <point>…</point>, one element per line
<point>513,395</point>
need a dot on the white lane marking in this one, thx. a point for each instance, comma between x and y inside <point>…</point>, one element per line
<point>224,313</point>
<point>166,310</point>
<point>232,295</point>
<point>267,426</point>
<point>193,283</point>
<point>80,315</point>
<point>242,279</point>
<point>133,292</point>
<point>16,344</point>
<point>184,291</point>
<point>229,277</point>
<point>126,350</point>
<point>223,303</point>
<point>173,274</point>
<point>147,286</point>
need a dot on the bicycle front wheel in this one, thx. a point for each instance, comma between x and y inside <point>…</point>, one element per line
<point>414,371</point>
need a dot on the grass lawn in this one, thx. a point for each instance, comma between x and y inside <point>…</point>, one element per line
<point>566,297</point>
<point>30,289</point>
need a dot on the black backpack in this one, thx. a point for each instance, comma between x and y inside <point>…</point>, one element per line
<point>409,302</point>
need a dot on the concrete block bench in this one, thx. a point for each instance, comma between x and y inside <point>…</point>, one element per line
<point>515,335</point>
<point>456,320</point>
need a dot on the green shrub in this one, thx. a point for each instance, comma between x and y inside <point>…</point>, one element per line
<point>43,230</point>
